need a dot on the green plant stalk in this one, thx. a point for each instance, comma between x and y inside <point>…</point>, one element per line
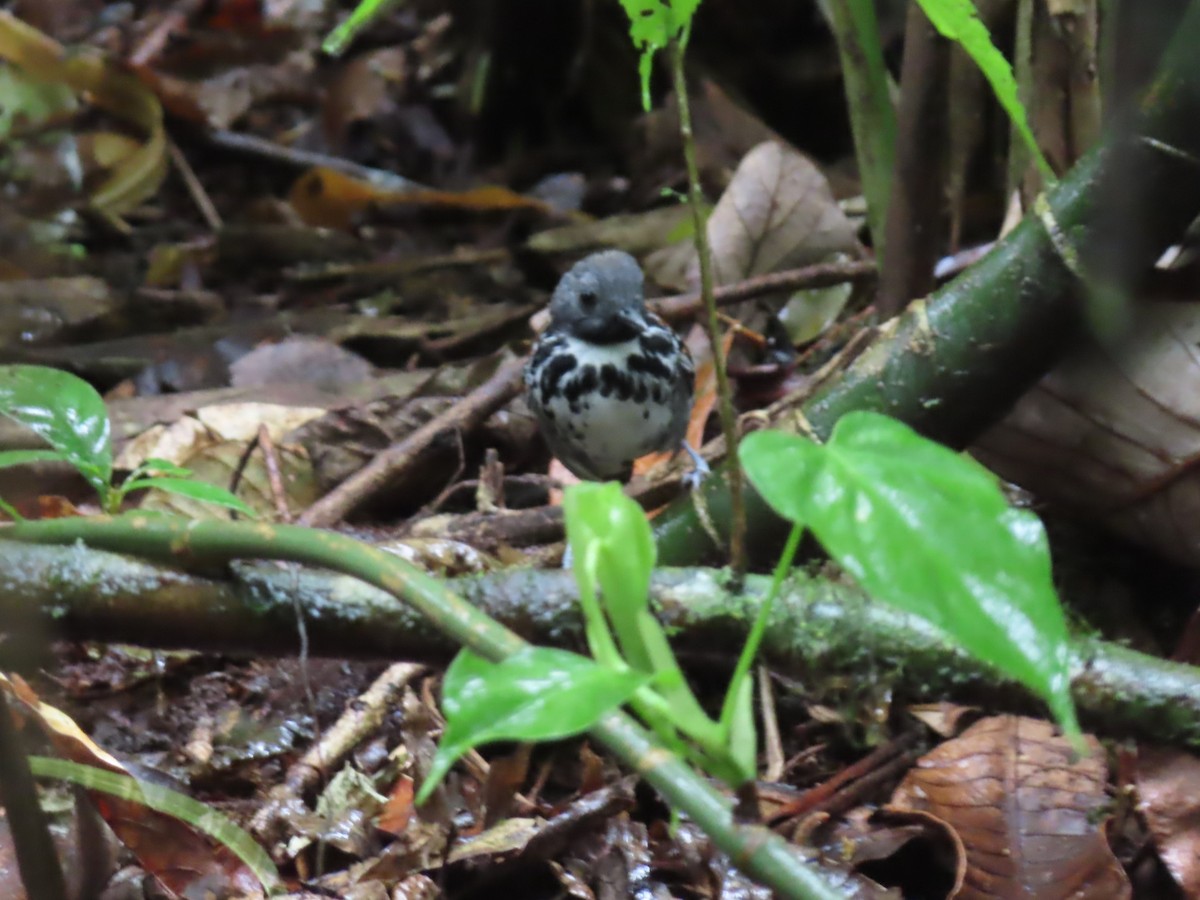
<point>737,522</point>
<point>755,850</point>
<point>872,115</point>
<point>951,365</point>
<point>822,631</point>
<point>599,636</point>
<point>754,640</point>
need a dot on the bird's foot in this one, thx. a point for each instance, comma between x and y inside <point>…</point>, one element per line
<point>700,468</point>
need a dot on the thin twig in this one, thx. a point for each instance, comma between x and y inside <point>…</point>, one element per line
<point>686,306</point>
<point>737,530</point>
<point>465,415</point>
<point>196,191</point>
<point>307,159</point>
<point>274,474</point>
<point>361,718</point>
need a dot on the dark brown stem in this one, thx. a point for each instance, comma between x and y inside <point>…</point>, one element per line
<point>915,210</point>
<point>37,858</point>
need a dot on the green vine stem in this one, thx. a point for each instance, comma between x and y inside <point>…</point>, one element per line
<point>754,849</point>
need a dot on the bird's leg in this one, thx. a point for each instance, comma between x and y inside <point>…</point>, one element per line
<point>700,468</point>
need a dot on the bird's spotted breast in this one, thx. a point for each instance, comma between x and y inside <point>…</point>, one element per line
<point>552,371</point>
<point>650,365</point>
<point>608,381</point>
<point>583,383</point>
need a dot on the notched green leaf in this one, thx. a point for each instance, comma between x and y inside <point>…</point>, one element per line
<point>929,531</point>
<point>652,25</point>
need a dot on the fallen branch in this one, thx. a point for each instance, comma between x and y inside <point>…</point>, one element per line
<point>823,633</point>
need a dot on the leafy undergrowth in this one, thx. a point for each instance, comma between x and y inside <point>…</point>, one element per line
<point>278,267</point>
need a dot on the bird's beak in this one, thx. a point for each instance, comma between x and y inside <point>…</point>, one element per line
<point>609,329</point>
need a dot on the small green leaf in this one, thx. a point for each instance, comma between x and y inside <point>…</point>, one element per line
<point>366,12</point>
<point>162,467</point>
<point>537,694</point>
<point>21,457</point>
<point>959,21</point>
<point>927,530</point>
<point>66,412</point>
<point>197,490</point>
<point>652,25</point>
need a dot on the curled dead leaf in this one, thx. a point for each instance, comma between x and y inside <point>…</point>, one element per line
<point>1024,808</point>
<point>141,170</point>
<point>1168,785</point>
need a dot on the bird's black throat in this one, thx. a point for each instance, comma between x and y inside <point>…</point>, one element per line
<point>607,330</point>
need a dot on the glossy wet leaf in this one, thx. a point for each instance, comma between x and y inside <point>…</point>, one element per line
<point>197,490</point>
<point>22,457</point>
<point>537,694</point>
<point>66,412</point>
<point>927,530</point>
<point>614,551</point>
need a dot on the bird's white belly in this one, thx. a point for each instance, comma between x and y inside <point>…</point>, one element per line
<point>614,431</point>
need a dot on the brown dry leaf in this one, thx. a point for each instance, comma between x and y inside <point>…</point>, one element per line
<point>48,310</point>
<point>1024,809</point>
<point>366,88</point>
<point>944,718</point>
<point>139,174</point>
<point>1114,434</point>
<point>329,199</point>
<point>178,855</point>
<point>777,213</point>
<point>1168,784</point>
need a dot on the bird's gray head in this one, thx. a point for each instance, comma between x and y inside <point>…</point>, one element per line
<point>601,299</point>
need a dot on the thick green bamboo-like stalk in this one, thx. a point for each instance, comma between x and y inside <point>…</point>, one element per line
<point>824,633</point>
<point>868,98</point>
<point>951,365</point>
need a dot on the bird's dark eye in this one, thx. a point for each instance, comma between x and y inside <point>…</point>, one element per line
<point>587,299</point>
